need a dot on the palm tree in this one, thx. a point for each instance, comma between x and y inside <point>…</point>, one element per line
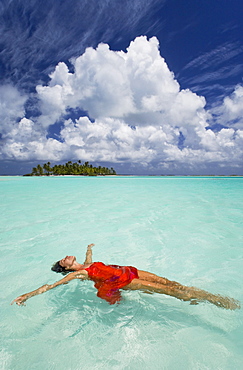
<point>47,168</point>
<point>34,171</point>
<point>39,170</point>
<point>71,168</point>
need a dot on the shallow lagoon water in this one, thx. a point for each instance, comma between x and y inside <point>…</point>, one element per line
<point>188,229</point>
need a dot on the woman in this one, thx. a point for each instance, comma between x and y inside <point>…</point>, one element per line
<point>109,279</point>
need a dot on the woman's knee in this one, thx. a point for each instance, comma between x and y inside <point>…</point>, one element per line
<point>148,276</point>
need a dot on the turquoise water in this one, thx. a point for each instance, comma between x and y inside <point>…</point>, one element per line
<point>186,229</point>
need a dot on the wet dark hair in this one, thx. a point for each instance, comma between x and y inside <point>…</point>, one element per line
<point>58,268</point>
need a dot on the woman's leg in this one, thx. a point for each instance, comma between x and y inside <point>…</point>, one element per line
<point>182,292</point>
<point>152,278</point>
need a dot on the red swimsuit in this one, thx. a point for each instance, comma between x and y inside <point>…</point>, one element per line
<point>110,278</point>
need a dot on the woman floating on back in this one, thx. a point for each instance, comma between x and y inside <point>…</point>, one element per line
<point>109,279</point>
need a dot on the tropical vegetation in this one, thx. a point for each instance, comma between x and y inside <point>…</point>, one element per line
<point>71,168</point>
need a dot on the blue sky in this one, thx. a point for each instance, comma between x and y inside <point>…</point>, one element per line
<point>147,87</point>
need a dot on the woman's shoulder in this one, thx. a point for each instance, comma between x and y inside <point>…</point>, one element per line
<point>82,274</point>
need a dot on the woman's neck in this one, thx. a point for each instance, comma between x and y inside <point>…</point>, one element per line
<point>78,266</point>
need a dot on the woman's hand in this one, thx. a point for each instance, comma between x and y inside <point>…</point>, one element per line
<point>20,300</point>
<point>88,259</point>
<point>91,245</point>
<point>44,288</point>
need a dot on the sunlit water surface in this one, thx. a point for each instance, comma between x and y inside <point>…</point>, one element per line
<point>186,229</point>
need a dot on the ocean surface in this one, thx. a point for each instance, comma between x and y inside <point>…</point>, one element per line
<point>188,229</point>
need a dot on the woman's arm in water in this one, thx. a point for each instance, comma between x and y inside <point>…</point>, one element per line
<point>88,259</point>
<point>83,275</point>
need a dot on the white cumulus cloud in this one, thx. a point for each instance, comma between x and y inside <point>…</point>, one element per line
<point>233,107</point>
<point>138,114</point>
<point>11,107</point>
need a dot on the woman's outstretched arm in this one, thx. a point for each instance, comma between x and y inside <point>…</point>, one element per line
<point>88,259</point>
<point>73,275</point>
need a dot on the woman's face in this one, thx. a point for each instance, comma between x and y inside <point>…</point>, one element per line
<point>67,261</point>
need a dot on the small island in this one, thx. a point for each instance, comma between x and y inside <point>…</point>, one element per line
<point>70,168</point>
